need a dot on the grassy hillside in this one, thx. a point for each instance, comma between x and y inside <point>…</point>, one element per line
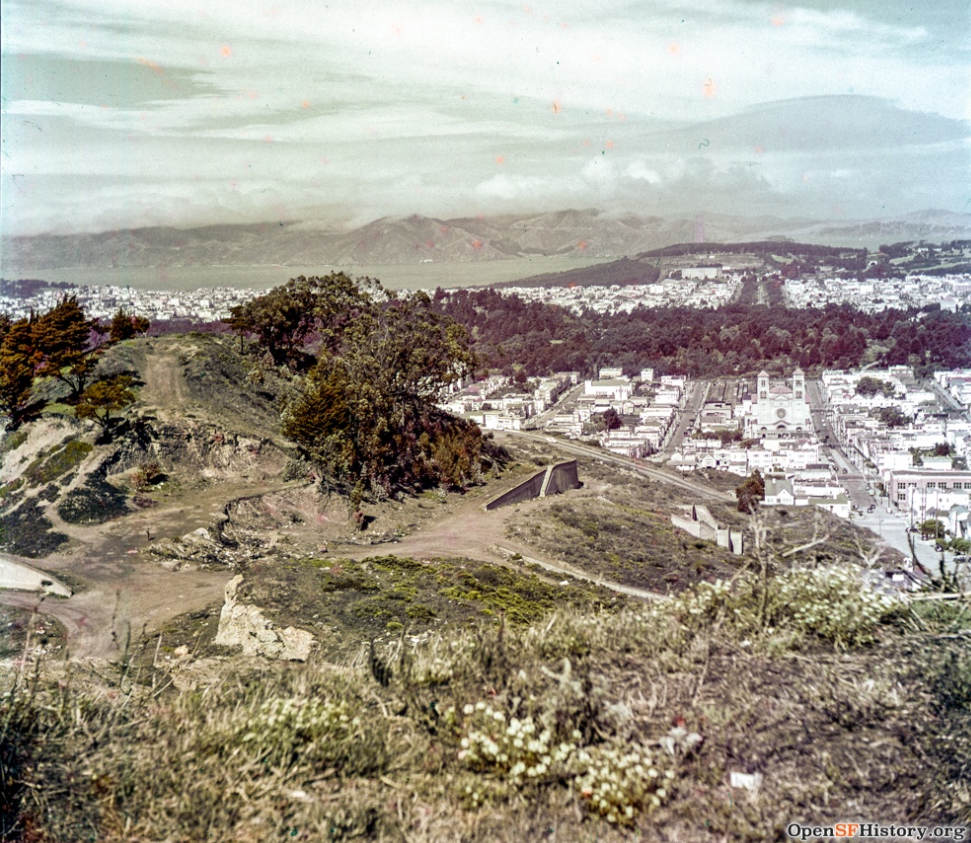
<point>449,696</point>
<point>586,725</point>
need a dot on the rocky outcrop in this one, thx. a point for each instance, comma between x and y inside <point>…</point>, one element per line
<point>243,625</point>
<point>208,451</point>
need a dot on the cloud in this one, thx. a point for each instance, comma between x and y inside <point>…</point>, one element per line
<point>408,106</point>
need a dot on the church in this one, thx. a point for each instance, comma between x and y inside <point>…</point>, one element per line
<point>779,410</point>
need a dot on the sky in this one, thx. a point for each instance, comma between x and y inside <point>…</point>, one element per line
<point>130,113</point>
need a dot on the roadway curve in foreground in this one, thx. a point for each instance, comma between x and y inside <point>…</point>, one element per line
<point>683,483</point>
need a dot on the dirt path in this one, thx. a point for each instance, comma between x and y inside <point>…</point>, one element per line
<point>123,587</point>
<point>164,382</point>
<point>473,533</point>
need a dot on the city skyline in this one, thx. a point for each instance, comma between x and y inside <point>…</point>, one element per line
<point>119,116</point>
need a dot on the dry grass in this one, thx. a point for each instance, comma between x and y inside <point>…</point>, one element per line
<point>372,747</point>
<point>618,527</point>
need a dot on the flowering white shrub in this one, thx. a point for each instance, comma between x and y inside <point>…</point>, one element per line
<point>616,782</point>
<point>518,748</point>
<point>833,603</point>
<point>285,723</point>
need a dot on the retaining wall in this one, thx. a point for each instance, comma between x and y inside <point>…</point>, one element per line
<point>553,480</point>
<point>562,477</point>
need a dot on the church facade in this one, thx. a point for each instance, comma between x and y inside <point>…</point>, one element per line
<point>779,410</point>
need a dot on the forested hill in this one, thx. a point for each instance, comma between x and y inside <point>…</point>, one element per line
<point>508,332</point>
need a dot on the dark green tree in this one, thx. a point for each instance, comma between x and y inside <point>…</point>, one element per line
<point>125,326</point>
<point>103,398</point>
<point>65,340</point>
<point>368,412</point>
<point>932,529</point>
<point>283,319</point>
<point>750,493</point>
<point>891,416</point>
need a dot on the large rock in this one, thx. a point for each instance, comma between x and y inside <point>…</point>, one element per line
<point>243,625</point>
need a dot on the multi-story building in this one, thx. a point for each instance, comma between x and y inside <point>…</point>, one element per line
<point>779,410</point>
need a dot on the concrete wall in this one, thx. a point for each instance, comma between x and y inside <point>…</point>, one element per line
<point>525,491</point>
<point>702,525</point>
<point>562,476</point>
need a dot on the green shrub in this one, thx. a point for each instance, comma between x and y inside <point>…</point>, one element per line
<point>43,471</point>
<point>834,604</point>
<point>12,441</point>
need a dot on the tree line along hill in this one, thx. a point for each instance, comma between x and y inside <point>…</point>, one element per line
<point>738,339</point>
<point>366,367</point>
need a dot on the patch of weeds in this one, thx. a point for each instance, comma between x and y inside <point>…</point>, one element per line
<point>27,532</point>
<point>833,604</point>
<point>59,409</point>
<point>12,441</point>
<point>44,634</point>
<point>43,471</point>
<point>8,489</point>
<point>95,502</point>
<point>420,612</point>
<point>951,681</point>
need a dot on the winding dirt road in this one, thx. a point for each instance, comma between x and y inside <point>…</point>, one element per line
<point>125,591</point>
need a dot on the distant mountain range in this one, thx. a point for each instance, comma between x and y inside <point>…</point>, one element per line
<point>580,233</point>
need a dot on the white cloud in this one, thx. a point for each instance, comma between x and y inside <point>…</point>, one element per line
<point>423,97</point>
<point>639,171</point>
<point>503,186</point>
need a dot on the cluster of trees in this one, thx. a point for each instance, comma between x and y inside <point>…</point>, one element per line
<point>63,344</point>
<point>751,492</point>
<point>891,416</point>
<point>732,340</point>
<point>870,386</point>
<point>372,366</point>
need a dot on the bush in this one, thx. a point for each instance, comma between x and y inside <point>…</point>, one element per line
<point>147,474</point>
<point>95,502</point>
<point>834,604</point>
<point>41,471</point>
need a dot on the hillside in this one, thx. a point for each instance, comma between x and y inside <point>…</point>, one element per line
<point>580,233</point>
<point>250,661</point>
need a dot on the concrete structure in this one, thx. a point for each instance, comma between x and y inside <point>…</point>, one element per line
<point>702,525</point>
<point>615,388</point>
<point>780,410</point>
<point>21,577</point>
<point>696,272</point>
<point>552,480</point>
<point>928,493</point>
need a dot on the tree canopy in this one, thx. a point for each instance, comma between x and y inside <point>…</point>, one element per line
<point>16,367</point>
<point>751,492</point>
<point>377,364</point>
<point>64,339</point>
<point>124,326</point>
<point>283,319</point>
<point>103,398</point>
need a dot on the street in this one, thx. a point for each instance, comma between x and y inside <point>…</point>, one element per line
<point>849,475</point>
<point>686,417</point>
